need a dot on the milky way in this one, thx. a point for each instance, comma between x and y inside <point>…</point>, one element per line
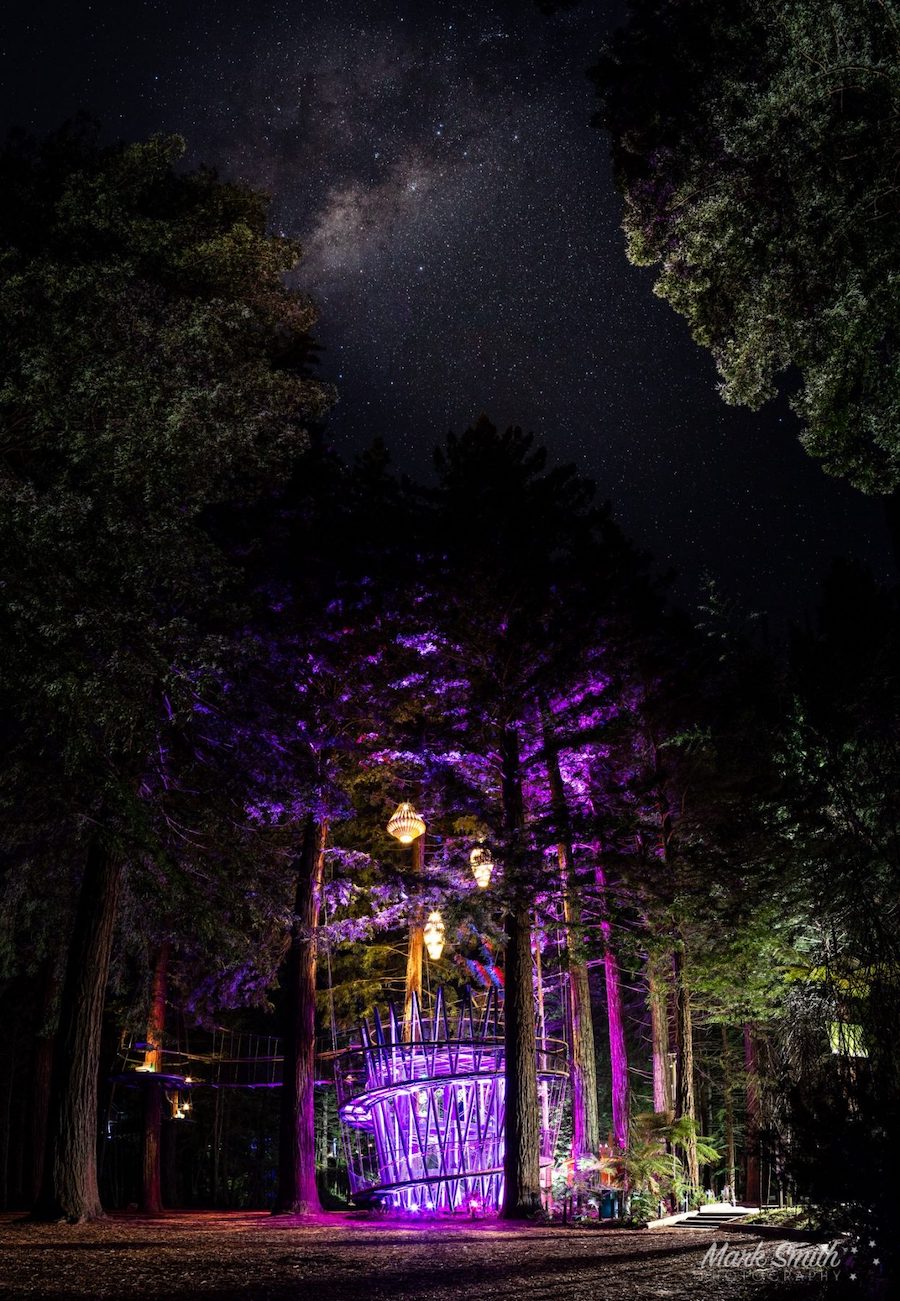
<point>461,231</point>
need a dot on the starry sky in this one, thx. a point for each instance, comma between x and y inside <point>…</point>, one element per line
<point>462,240</point>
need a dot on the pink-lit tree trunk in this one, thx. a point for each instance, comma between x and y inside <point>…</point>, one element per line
<point>583,1061</point>
<point>298,1193</point>
<point>522,1151</point>
<point>618,1050</point>
<point>583,1071</point>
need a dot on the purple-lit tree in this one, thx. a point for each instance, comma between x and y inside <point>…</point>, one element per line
<point>525,574</point>
<point>332,577</point>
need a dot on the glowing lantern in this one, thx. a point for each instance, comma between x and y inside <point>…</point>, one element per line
<point>434,935</point>
<point>405,824</point>
<point>482,866</point>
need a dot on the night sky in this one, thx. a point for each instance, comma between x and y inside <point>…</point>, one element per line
<point>463,243</point>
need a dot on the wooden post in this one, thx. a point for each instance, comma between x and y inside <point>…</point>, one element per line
<point>416,949</point>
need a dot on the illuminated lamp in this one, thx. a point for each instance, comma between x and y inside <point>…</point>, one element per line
<point>434,935</point>
<point>482,866</point>
<point>405,824</point>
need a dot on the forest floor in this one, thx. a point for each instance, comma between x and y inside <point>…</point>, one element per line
<point>337,1258</point>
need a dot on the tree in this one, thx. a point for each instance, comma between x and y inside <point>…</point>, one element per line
<point>583,1068</point>
<point>526,571</point>
<point>837,1062</point>
<point>685,787</point>
<point>155,365</point>
<point>756,148</point>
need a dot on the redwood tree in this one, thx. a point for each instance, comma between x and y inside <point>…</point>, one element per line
<point>155,365</point>
<point>69,1186</point>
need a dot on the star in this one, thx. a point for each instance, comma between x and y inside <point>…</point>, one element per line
<point>396,162</point>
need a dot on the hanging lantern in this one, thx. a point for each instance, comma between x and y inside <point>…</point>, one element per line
<point>434,935</point>
<point>405,824</point>
<point>482,866</point>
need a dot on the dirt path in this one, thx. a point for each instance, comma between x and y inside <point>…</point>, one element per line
<point>243,1255</point>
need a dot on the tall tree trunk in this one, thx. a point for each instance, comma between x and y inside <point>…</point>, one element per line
<point>615,1015</point>
<point>521,1158</point>
<point>618,1050</point>
<point>685,1096</point>
<point>752,1182</point>
<point>583,1060</point>
<point>522,1151</point>
<point>728,1090</point>
<point>658,999</point>
<point>298,1193</point>
<point>69,1186</point>
<point>151,1178</point>
<point>416,947</point>
<point>583,1066</point>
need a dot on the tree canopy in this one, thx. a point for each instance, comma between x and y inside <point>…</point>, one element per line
<point>756,147</point>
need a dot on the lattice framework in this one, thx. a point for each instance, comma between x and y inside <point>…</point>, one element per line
<point>422,1107</point>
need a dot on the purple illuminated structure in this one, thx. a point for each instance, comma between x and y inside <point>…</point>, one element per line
<point>423,1112</point>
